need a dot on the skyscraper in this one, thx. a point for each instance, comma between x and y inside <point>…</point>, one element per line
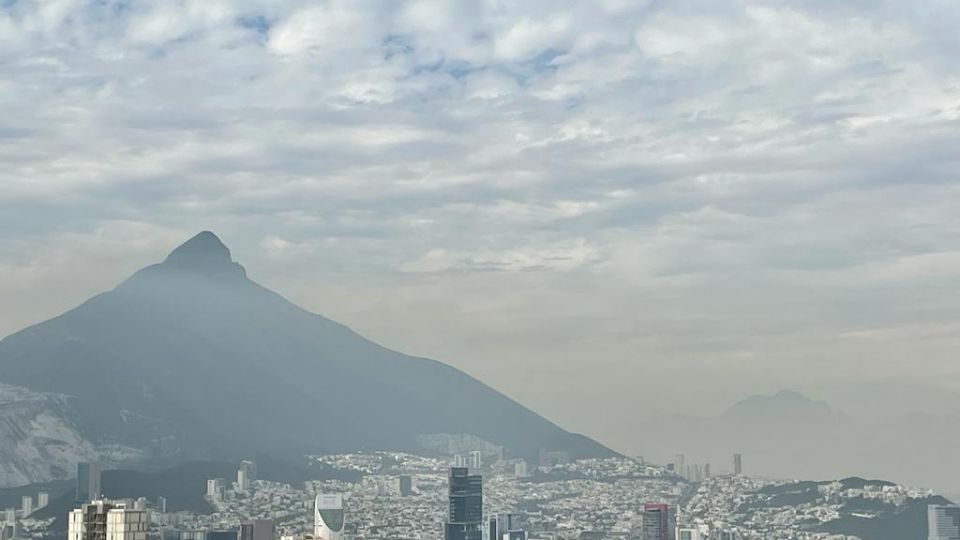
<point>406,485</point>
<point>679,465</point>
<point>507,527</point>
<point>465,521</point>
<point>88,482</point>
<point>656,522</point>
<point>43,499</point>
<point>246,475</point>
<point>737,464</point>
<point>943,522</point>
<point>127,524</point>
<point>216,489</point>
<point>475,459</point>
<point>328,517</point>
<point>105,520</point>
<point>26,505</point>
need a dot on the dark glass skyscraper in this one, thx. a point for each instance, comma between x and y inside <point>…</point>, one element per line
<point>88,482</point>
<point>657,522</point>
<point>465,521</point>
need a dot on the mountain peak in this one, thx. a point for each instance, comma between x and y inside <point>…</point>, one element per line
<point>204,254</point>
<point>783,404</point>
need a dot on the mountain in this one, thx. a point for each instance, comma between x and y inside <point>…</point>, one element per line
<point>784,406</point>
<point>39,437</point>
<point>788,435</point>
<point>190,359</point>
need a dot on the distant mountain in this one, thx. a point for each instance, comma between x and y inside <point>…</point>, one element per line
<point>191,359</point>
<point>781,407</point>
<point>788,435</point>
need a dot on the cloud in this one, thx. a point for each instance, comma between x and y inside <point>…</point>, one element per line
<point>730,190</point>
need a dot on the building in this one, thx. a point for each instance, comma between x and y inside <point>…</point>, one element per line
<point>328,518</point>
<point>737,464</point>
<point>406,485</point>
<point>88,482</point>
<point>943,522</point>
<point>246,475</point>
<point>465,520</point>
<point>475,459</point>
<point>459,461</point>
<point>220,535</point>
<point>657,522</point>
<point>127,524</point>
<point>258,529</point>
<point>680,465</point>
<point>216,489</point>
<point>520,469</point>
<point>26,505</point>
<point>43,499</point>
<point>688,533</point>
<point>106,520</point>
<point>552,458</point>
<point>507,527</point>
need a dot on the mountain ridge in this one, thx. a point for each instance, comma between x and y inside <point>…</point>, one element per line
<point>206,363</point>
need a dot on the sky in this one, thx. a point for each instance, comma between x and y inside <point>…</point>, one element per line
<point>608,210</point>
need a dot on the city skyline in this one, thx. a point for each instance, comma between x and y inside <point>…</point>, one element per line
<point>479,270</point>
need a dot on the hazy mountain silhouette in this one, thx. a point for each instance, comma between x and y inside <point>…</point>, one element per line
<point>189,358</point>
<point>787,435</point>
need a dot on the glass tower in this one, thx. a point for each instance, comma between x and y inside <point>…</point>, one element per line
<point>465,521</point>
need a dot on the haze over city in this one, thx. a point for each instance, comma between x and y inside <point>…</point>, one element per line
<point>651,223</point>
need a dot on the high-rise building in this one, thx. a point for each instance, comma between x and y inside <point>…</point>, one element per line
<point>43,499</point>
<point>475,459</point>
<point>216,489</point>
<point>507,527</point>
<point>737,464</point>
<point>688,533</point>
<point>258,529</point>
<point>657,522</point>
<point>465,520</point>
<point>328,518</point>
<point>106,520</point>
<point>680,465</point>
<point>406,485</point>
<point>127,524</point>
<point>88,482</point>
<point>706,470</point>
<point>943,522</point>
<point>10,515</point>
<point>459,461</point>
<point>26,505</point>
<point>246,475</point>
<point>520,469</point>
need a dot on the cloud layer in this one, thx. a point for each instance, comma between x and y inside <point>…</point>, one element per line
<point>598,207</point>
